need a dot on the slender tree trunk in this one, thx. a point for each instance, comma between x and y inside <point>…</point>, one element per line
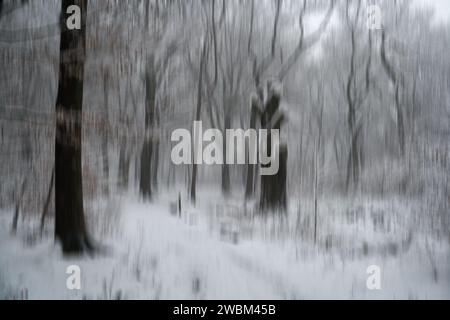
<point>395,79</point>
<point>197,118</point>
<point>225,166</point>
<point>18,205</point>
<point>251,168</point>
<point>124,165</point>
<point>155,162</point>
<point>70,226</point>
<point>47,201</point>
<point>315,189</point>
<point>353,161</point>
<point>105,132</point>
<point>155,166</point>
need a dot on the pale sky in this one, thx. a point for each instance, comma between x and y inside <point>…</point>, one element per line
<point>442,8</point>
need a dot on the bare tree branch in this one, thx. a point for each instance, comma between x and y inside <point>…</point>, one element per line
<point>306,43</point>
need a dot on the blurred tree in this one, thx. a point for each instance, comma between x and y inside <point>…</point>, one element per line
<point>70,226</point>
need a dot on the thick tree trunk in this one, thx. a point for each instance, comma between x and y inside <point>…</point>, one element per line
<point>70,226</point>
<point>145,183</point>
<point>273,187</point>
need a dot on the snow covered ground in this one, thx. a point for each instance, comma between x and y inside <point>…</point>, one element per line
<point>153,254</point>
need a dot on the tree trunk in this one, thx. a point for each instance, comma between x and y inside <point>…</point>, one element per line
<point>273,187</point>
<point>18,205</point>
<point>105,132</point>
<point>197,118</point>
<point>251,168</point>
<point>47,200</point>
<point>316,165</point>
<point>225,166</point>
<point>155,163</point>
<point>145,183</point>
<point>70,226</point>
<point>124,165</point>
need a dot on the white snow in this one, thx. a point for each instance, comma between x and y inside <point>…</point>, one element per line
<point>156,255</point>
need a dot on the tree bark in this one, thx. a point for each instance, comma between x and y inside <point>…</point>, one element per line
<point>18,205</point>
<point>273,187</point>
<point>197,118</point>
<point>251,168</point>
<point>70,226</point>
<point>124,165</point>
<point>105,133</point>
<point>226,167</point>
<point>145,183</point>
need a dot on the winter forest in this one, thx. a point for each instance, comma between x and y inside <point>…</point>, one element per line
<point>92,91</point>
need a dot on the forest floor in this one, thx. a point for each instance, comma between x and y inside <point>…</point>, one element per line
<point>207,253</point>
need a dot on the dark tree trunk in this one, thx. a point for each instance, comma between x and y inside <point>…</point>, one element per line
<point>155,163</point>
<point>145,186</point>
<point>273,187</point>
<point>225,166</point>
<point>225,177</point>
<point>145,183</point>
<point>70,226</point>
<point>400,121</point>
<point>197,118</point>
<point>353,160</point>
<point>18,205</point>
<point>251,168</point>
<point>124,165</point>
<point>155,166</point>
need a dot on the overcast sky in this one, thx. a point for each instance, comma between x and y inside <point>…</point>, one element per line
<point>442,7</point>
